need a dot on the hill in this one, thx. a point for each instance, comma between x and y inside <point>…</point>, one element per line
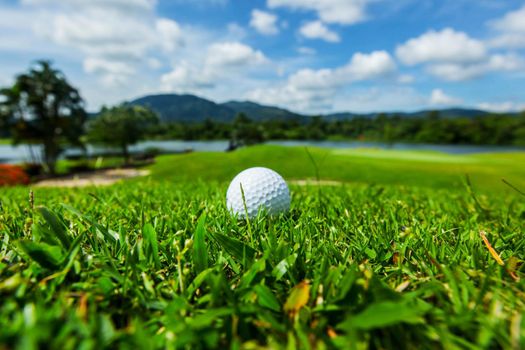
<point>190,108</point>
<point>259,112</point>
<point>443,113</point>
<point>185,108</point>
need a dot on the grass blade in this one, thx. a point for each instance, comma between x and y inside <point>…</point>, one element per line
<point>150,238</point>
<point>235,248</point>
<point>45,255</point>
<point>386,313</point>
<point>58,227</point>
<point>200,253</point>
<point>266,298</point>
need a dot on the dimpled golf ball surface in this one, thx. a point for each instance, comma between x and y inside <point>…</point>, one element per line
<point>263,188</point>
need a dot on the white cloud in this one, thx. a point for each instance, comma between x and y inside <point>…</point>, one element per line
<point>120,5</point>
<point>369,66</point>
<point>438,97</point>
<point>329,11</point>
<point>513,21</point>
<point>317,30</point>
<point>313,90</point>
<point>380,99</point>
<point>502,107</point>
<point>406,79</point>
<point>264,22</point>
<point>233,54</point>
<point>461,72</point>
<point>447,46</point>
<point>170,34</point>
<point>223,61</point>
<point>98,65</point>
<point>185,77</point>
<point>454,56</point>
<point>305,50</point>
<point>236,32</point>
<point>510,30</point>
<point>116,37</point>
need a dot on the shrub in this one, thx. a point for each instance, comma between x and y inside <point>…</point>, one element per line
<point>11,175</point>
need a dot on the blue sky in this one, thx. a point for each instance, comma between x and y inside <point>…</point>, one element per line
<point>311,56</point>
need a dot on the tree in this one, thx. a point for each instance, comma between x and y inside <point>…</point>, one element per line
<point>121,126</point>
<point>43,108</point>
<point>245,132</point>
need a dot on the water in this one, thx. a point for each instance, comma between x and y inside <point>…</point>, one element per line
<point>21,153</point>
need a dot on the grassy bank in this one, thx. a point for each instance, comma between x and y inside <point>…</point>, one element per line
<point>159,263</point>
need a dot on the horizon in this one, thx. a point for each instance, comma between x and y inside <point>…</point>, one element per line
<point>415,111</point>
<point>334,56</point>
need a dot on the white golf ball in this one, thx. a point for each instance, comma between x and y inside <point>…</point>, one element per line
<point>263,189</point>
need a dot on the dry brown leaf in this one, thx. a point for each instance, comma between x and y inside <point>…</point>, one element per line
<point>492,251</point>
<point>298,298</point>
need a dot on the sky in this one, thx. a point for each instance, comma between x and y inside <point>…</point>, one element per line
<point>310,56</point>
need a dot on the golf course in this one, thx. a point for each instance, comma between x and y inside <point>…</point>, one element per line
<point>380,249</point>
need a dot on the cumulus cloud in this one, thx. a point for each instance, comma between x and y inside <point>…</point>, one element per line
<point>510,30</point>
<point>184,78</point>
<point>233,54</point>
<point>447,45</point>
<point>461,72</point>
<point>169,34</point>
<point>317,30</point>
<point>438,97</point>
<point>264,22</point>
<point>116,36</point>
<point>329,11</point>
<point>502,107</point>
<point>120,5</point>
<point>454,56</point>
<point>313,90</point>
<point>223,61</point>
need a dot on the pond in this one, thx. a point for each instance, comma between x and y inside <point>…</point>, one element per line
<point>22,153</point>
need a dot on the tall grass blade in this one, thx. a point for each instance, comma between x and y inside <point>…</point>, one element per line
<point>58,227</point>
<point>152,246</point>
<point>235,248</point>
<point>200,252</point>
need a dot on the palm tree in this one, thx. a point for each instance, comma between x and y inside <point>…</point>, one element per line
<point>43,108</point>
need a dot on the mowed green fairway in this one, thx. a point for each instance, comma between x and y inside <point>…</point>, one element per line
<point>367,166</point>
<point>392,259</point>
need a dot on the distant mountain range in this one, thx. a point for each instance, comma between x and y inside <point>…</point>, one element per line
<point>190,108</point>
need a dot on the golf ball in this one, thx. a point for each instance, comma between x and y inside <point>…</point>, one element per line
<point>263,189</point>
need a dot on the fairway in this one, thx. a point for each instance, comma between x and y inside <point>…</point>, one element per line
<point>394,257</point>
<point>368,166</point>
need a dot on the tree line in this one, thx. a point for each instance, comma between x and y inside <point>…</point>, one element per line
<point>41,107</point>
<point>492,129</point>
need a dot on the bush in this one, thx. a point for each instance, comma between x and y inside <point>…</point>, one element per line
<point>11,175</point>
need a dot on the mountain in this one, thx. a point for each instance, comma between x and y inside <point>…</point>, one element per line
<point>185,108</point>
<point>259,112</point>
<point>443,113</point>
<point>190,108</point>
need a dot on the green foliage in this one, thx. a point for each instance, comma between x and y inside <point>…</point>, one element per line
<point>164,265</point>
<point>245,132</point>
<point>43,108</point>
<point>121,126</point>
<point>496,129</point>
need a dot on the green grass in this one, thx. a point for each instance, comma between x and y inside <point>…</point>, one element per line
<point>159,262</point>
<point>411,168</point>
<point>65,166</point>
<point>5,141</point>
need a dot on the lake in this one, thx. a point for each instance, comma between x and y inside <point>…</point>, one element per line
<point>21,153</point>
